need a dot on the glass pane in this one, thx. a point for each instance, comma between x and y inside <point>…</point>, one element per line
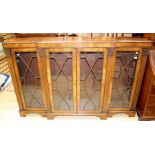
<point>123,79</point>
<point>62,82</point>
<point>91,64</point>
<point>30,80</point>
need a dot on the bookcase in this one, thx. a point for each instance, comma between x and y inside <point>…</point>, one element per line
<point>60,76</point>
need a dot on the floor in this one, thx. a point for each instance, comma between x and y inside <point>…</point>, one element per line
<point>9,110</point>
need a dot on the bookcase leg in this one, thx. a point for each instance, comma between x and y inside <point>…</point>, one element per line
<point>22,114</point>
<point>43,114</point>
<point>103,117</point>
<point>131,114</point>
<point>50,116</point>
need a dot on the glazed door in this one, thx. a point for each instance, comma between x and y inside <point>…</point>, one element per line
<point>61,70</point>
<point>127,74</point>
<point>91,68</point>
<point>29,75</point>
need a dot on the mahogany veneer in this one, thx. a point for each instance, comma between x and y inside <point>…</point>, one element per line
<point>77,76</point>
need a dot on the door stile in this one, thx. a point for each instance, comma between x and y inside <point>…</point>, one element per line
<point>78,80</point>
<point>111,58</point>
<point>49,80</point>
<point>42,72</point>
<point>103,80</point>
<point>74,68</point>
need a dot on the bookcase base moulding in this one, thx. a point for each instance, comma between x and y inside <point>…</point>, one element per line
<point>70,77</point>
<point>102,116</point>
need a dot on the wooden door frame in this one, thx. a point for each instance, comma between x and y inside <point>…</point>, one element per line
<point>28,50</point>
<point>137,79</point>
<point>48,68</point>
<point>99,49</point>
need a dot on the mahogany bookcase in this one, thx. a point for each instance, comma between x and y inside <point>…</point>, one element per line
<point>55,76</point>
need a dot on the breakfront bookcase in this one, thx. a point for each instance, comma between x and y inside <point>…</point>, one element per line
<point>55,76</point>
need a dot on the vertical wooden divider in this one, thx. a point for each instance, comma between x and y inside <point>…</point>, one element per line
<point>78,80</point>
<point>103,79</point>
<point>43,78</point>
<point>49,84</point>
<point>111,54</point>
